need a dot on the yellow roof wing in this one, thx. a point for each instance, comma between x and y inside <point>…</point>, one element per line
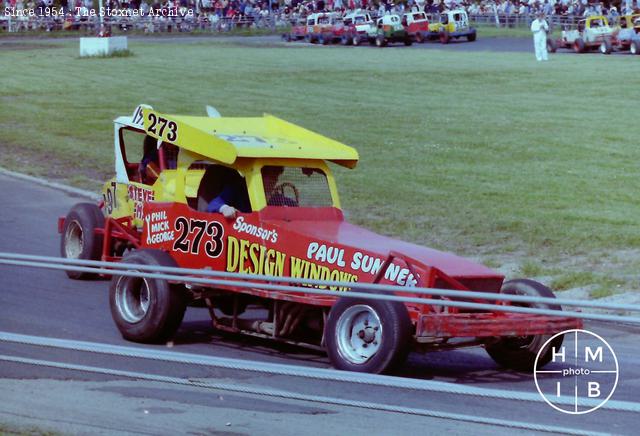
<point>172,129</point>
<point>225,139</point>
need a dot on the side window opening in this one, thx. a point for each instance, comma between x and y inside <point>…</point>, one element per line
<point>142,158</point>
<point>222,184</point>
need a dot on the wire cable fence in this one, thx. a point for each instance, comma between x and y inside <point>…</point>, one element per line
<point>437,297</point>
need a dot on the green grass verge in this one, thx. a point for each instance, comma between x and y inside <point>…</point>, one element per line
<point>115,54</point>
<point>486,31</point>
<point>11,430</point>
<point>475,152</point>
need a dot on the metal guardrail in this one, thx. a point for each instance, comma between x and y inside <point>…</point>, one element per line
<point>202,22</point>
<point>522,20</point>
<point>147,24</point>
<point>371,291</point>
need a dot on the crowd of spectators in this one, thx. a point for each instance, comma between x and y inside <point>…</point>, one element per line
<point>210,13</point>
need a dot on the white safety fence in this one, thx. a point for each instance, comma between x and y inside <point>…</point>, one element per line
<point>438,297</point>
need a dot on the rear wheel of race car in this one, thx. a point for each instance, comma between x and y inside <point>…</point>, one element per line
<point>634,48</point>
<point>472,36</point>
<point>551,46</point>
<point>578,46</point>
<point>444,37</point>
<point>79,240</point>
<point>606,47</point>
<point>381,41</point>
<point>367,335</point>
<point>520,352</point>
<point>355,40</point>
<point>344,40</point>
<point>144,309</point>
<point>419,38</point>
<point>408,40</point>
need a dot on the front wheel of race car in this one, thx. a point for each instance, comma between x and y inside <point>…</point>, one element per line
<point>79,239</point>
<point>634,48</point>
<point>551,46</point>
<point>144,309</point>
<point>366,335</point>
<point>519,352</point>
<point>606,47</point>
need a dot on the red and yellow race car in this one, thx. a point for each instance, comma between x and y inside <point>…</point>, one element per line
<point>257,196</point>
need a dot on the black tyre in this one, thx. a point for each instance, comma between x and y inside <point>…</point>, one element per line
<point>419,38</point>
<point>367,335</point>
<point>551,46</point>
<point>408,40</point>
<point>472,36</point>
<point>444,37</point>
<point>355,40</point>
<point>578,46</point>
<point>345,40</point>
<point>634,48</point>
<point>78,239</point>
<point>381,41</point>
<point>146,310</point>
<point>520,353</point>
<point>605,47</point>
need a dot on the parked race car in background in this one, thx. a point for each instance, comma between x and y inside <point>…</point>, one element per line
<point>591,33</point>
<point>298,31</point>
<point>324,28</point>
<point>453,24</point>
<point>417,25</point>
<point>156,211</point>
<point>391,30</point>
<point>627,34</point>
<point>358,28</point>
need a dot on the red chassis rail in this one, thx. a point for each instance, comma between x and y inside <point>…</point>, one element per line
<point>431,321</point>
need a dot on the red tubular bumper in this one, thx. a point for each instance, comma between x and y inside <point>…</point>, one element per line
<point>468,325</point>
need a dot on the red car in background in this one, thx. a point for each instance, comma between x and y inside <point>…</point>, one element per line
<point>417,25</point>
<point>298,31</point>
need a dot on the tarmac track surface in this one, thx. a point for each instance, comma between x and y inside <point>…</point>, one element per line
<point>46,303</point>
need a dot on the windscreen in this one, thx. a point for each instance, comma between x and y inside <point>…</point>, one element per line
<point>296,187</point>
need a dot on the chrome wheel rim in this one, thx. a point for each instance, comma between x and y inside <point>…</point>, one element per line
<point>73,240</point>
<point>633,49</point>
<point>603,48</point>
<point>358,334</point>
<point>132,298</point>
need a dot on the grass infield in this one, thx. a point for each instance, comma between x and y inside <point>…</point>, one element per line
<point>487,154</point>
